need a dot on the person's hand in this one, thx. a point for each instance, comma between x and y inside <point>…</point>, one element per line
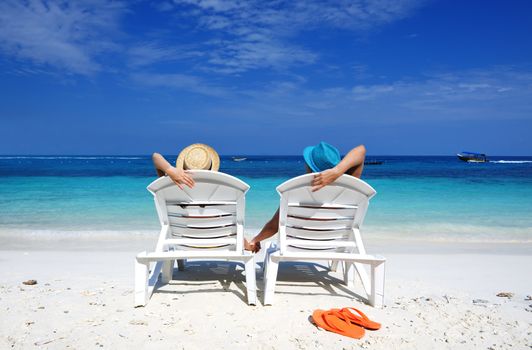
<point>251,246</point>
<point>180,177</point>
<point>247,245</point>
<point>324,178</point>
<point>255,246</point>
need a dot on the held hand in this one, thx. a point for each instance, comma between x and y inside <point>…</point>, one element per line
<point>324,178</point>
<point>251,246</point>
<point>255,246</point>
<point>180,177</point>
<point>247,245</point>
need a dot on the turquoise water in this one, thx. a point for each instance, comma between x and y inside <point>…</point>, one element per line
<point>418,197</point>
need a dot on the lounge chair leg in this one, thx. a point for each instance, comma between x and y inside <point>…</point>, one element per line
<point>271,249</point>
<point>271,279</point>
<point>333,265</point>
<point>141,283</point>
<point>251,283</point>
<point>349,274</point>
<point>265,266</point>
<point>167,270</point>
<point>376,299</point>
<point>364,278</point>
<point>181,264</point>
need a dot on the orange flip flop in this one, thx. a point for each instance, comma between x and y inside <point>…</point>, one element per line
<point>334,321</point>
<point>350,313</point>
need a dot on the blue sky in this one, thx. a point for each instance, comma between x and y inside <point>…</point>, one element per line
<point>265,77</point>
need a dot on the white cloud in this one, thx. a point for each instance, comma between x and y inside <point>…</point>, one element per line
<point>65,35</point>
<point>181,82</point>
<point>261,34</point>
<point>362,92</point>
<point>500,93</point>
<point>254,53</point>
<point>144,54</point>
<point>223,36</point>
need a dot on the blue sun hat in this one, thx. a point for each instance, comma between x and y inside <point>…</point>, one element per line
<point>321,157</point>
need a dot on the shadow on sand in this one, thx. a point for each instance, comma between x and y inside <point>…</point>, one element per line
<point>296,278</point>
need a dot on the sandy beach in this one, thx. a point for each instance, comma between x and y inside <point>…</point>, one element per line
<point>357,128</point>
<point>437,296</point>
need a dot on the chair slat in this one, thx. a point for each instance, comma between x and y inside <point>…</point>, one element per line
<point>193,210</point>
<point>225,247</point>
<point>318,218</point>
<point>200,203</point>
<point>214,242</point>
<point>321,212</point>
<point>319,235</point>
<point>319,224</point>
<point>202,233</point>
<point>202,221</point>
<point>297,248</point>
<point>323,205</point>
<point>298,243</point>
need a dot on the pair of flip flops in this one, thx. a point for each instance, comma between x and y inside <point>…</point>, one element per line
<point>348,321</point>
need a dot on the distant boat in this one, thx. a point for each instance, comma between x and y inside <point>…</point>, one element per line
<point>239,159</point>
<point>373,162</point>
<point>472,157</point>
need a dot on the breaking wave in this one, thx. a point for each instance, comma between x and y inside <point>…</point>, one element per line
<point>511,161</point>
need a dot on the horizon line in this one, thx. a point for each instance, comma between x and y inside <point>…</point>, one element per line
<point>244,155</point>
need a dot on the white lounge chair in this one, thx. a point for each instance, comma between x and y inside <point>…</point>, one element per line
<point>325,225</point>
<point>203,222</point>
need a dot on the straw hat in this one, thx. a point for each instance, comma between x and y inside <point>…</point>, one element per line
<point>198,156</point>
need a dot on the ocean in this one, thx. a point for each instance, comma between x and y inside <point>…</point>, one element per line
<point>418,197</point>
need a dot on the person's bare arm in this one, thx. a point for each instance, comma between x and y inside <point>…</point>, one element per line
<point>179,176</point>
<point>353,160</point>
<point>267,231</point>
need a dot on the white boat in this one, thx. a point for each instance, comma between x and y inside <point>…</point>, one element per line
<point>239,159</point>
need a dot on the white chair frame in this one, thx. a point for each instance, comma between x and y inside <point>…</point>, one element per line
<point>203,222</point>
<point>325,225</point>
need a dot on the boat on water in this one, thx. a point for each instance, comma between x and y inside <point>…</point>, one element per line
<point>373,162</point>
<point>472,157</point>
<point>239,159</point>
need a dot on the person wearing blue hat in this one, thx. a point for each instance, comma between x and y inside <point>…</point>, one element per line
<point>324,160</point>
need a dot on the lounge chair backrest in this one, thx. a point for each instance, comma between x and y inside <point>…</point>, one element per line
<point>325,219</point>
<point>208,216</point>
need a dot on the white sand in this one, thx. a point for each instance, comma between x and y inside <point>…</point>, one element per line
<point>84,299</point>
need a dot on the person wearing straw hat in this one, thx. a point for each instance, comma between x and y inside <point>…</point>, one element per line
<point>324,160</point>
<point>197,156</point>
